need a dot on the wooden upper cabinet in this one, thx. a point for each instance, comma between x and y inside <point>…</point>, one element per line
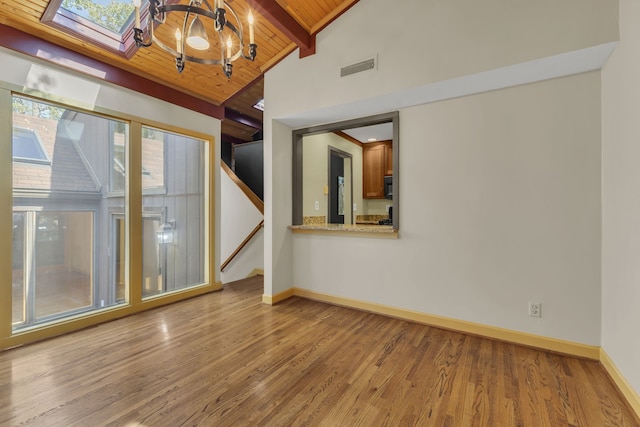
<point>388,158</point>
<point>377,162</point>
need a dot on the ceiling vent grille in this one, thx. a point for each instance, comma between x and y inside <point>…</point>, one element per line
<point>366,65</point>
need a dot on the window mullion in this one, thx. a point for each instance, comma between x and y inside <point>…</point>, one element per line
<point>133,214</point>
<point>6,215</point>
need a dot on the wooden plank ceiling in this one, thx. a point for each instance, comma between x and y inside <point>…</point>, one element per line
<point>281,26</point>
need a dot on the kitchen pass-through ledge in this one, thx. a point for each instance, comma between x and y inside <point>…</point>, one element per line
<point>357,230</point>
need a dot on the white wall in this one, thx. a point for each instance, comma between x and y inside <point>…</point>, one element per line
<point>495,213</point>
<point>278,247</point>
<point>238,218</point>
<point>376,206</point>
<point>112,98</point>
<point>500,192</point>
<point>620,198</point>
<point>423,43</point>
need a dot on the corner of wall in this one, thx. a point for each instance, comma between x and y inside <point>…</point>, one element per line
<point>279,297</point>
<point>632,397</point>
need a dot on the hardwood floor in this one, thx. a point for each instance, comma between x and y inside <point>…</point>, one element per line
<point>226,359</point>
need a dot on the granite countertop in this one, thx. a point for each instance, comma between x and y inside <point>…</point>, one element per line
<point>363,229</point>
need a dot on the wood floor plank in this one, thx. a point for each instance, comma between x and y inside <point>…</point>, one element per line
<point>226,359</point>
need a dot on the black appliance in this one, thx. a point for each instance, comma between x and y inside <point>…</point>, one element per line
<point>388,221</point>
<point>388,187</point>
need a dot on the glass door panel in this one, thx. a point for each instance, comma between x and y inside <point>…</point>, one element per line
<point>173,205</point>
<point>18,291</point>
<point>63,262</point>
<point>68,175</point>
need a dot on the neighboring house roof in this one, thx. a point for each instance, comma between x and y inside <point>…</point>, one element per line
<point>67,171</point>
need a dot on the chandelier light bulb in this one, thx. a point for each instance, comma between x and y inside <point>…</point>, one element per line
<point>251,36</point>
<point>136,5</point>
<point>229,45</point>
<point>178,41</point>
<point>197,35</point>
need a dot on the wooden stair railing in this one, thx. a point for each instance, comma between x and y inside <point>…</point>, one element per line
<point>259,204</point>
<point>242,245</point>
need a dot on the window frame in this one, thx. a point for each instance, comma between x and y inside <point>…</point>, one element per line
<point>297,175</point>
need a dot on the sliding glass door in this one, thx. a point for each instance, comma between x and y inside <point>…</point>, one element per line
<point>71,229</point>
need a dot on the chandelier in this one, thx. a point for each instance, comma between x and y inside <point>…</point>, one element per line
<point>191,38</point>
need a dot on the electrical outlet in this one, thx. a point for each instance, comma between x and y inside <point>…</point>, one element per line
<point>317,205</point>
<point>355,207</point>
<point>535,309</point>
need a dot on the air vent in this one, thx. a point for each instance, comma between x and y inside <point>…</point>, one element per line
<point>366,65</point>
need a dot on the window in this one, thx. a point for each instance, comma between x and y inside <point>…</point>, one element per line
<point>78,255</point>
<point>173,226</point>
<point>52,265</point>
<point>106,23</point>
<point>69,234</point>
<point>58,212</point>
<point>153,162</point>
<point>27,147</point>
<point>117,149</point>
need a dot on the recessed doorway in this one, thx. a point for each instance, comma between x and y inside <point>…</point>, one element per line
<point>340,181</point>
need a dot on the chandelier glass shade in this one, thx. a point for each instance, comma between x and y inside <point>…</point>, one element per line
<point>203,34</point>
<point>197,36</point>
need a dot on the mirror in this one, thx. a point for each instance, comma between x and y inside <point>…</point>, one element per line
<point>344,173</point>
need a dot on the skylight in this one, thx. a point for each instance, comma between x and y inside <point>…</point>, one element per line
<point>259,105</point>
<point>105,23</point>
<point>113,15</point>
<point>27,147</point>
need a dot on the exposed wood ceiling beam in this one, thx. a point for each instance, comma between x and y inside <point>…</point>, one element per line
<point>285,23</point>
<point>237,116</point>
<point>232,139</point>
<point>27,44</point>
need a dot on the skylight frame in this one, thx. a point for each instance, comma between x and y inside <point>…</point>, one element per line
<point>88,31</point>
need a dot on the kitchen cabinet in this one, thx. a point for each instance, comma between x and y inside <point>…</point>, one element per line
<point>377,161</point>
<point>388,159</point>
